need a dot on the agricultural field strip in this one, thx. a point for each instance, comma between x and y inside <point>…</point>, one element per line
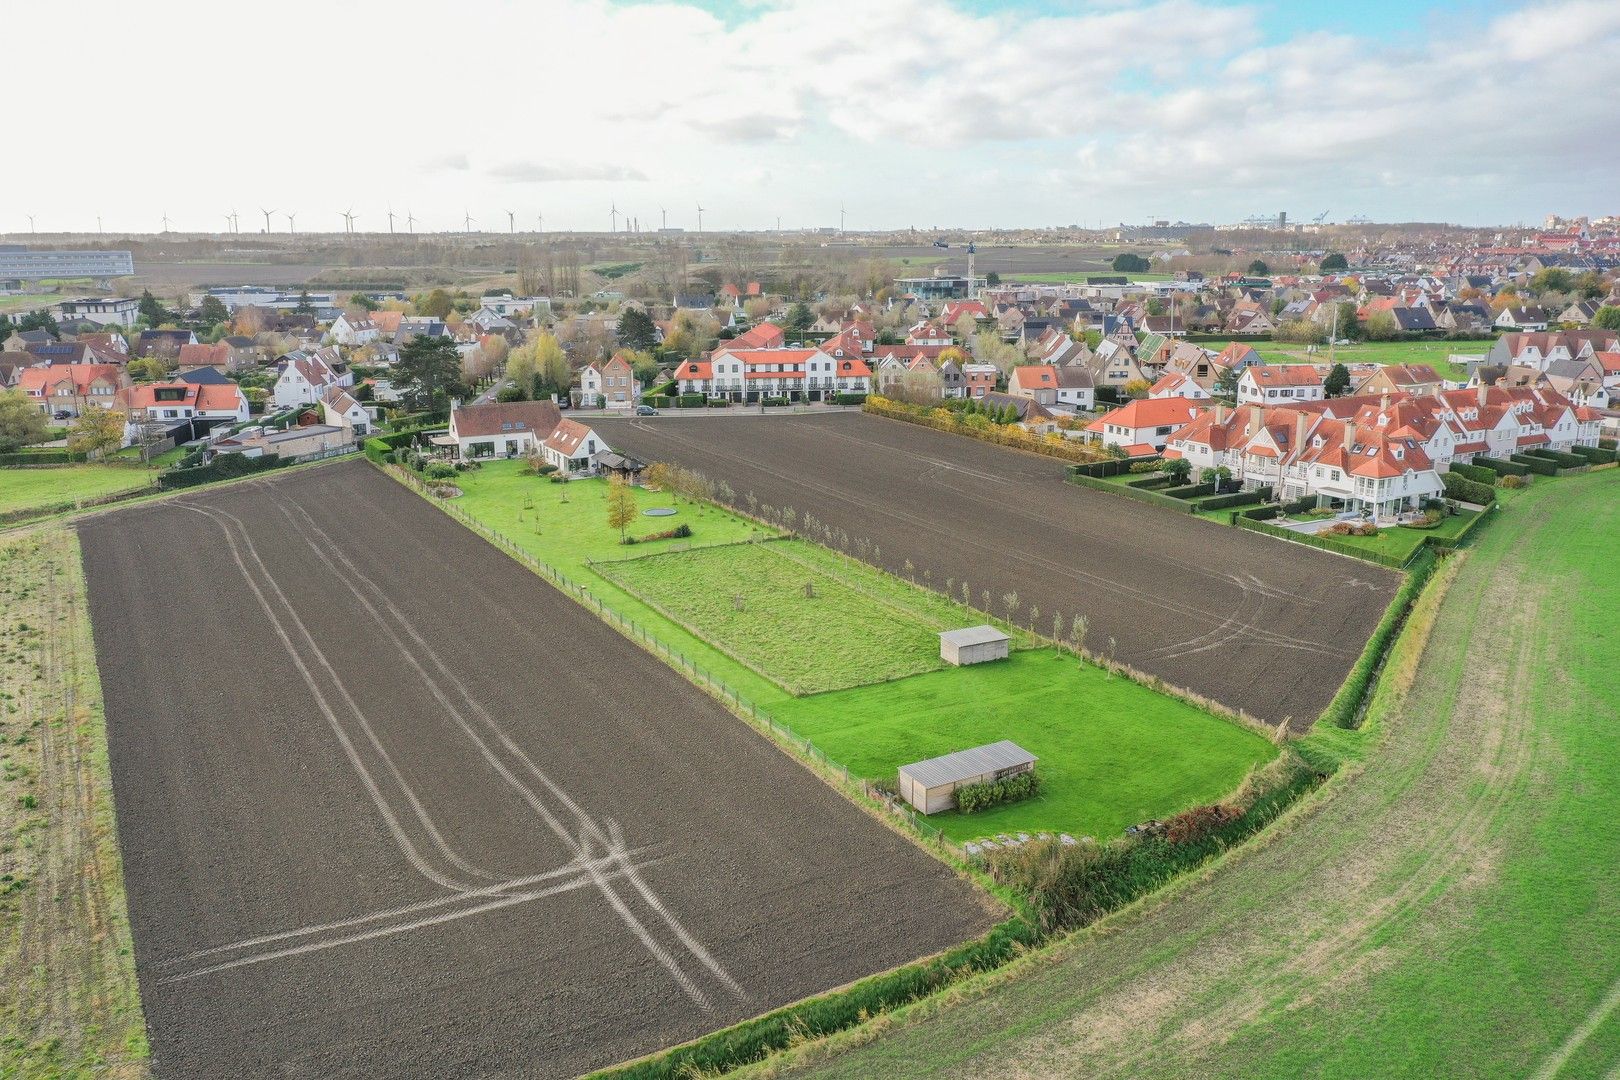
<point>583,835</point>
<point>1398,891</point>
<point>299,517</point>
<point>1231,624</point>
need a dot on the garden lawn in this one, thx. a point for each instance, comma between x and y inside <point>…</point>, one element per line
<point>1112,752</point>
<point>52,487</point>
<point>1401,543</point>
<point>1433,353</point>
<point>857,626</point>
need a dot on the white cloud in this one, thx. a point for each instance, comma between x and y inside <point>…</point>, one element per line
<point>913,111</point>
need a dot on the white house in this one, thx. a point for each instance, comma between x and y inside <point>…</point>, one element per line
<point>612,385</point>
<point>1279,384</point>
<point>354,331</point>
<point>572,447</point>
<point>501,429</point>
<point>1143,426</point>
<point>305,377</point>
<point>1178,384</point>
<point>340,409</point>
<point>104,310</point>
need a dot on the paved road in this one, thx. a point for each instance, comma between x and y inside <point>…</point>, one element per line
<point>390,805</point>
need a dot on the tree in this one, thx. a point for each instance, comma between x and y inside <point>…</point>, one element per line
<point>1348,326</point>
<point>643,363</point>
<point>1381,326</point>
<point>1607,318</point>
<point>1226,383</point>
<point>437,304</point>
<point>305,306</point>
<point>212,311</point>
<point>1591,285</point>
<point>1259,266</point>
<point>22,423</point>
<point>153,311</point>
<point>799,318</point>
<point>552,373</point>
<point>621,506</point>
<point>951,353</point>
<point>1137,388</point>
<point>1177,469</point>
<point>96,432</point>
<point>40,320</point>
<point>361,300</point>
<point>522,372</point>
<point>1128,263</point>
<point>1337,381</point>
<point>429,371</point>
<point>992,279</point>
<point>636,330</point>
<point>1333,261</point>
<point>1552,279</point>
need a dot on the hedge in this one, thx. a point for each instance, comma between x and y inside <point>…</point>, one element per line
<point>223,467</point>
<point>1462,488</point>
<point>1111,467</point>
<point>1008,435</point>
<point>1477,473</point>
<point>1259,513</point>
<point>1502,468</point>
<point>42,457</point>
<point>1539,466</point>
<point>691,401</point>
<point>719,403</point>
<point>1596,455</point>
<point>1567,461</point>
<point>971,798</point>
<point>754,1040</point>
<point>1236,498</point>
<point>1345,708</point>
<point>378,446</point>
<point>1139,494</point>
<point>850,399</point>
<point>1151,481</point>
<point>1189,491</point>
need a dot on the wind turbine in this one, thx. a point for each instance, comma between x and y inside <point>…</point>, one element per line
<point>30,222</point>
<point>98,223</point>
<point>511,221</point>
<point>348,219</point>
<point>266,214</point>
<point>840,217</point>
<point>390,221</point>
<point>700,217</point>
<point>467,220</point>
<point>410,221</point>
<point>165,221</point>
<point>663,218</point>
<point>613,216</point>
<point>292,223</point>
<point>352,218</point>
<point>227,223</point>
<point>542,218</point>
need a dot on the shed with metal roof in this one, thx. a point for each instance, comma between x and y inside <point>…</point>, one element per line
<point>931,785</point>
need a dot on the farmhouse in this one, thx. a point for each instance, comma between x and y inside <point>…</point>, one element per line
<point>573,447</point>
<point>972,645</point>
<point>931,785</point>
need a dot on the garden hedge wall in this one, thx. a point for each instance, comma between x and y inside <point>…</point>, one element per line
<point>1326,543</point>
<point>1597,455</point>
<point>1345,708</point>
<point>1477,473</point>
<point>1539,466</point>
<point>42,457</point>
<point>1461,487</point>
<point>1563,460</point>
<point>1137,493</point>
<point>1236,498</point>
<point>1502,468</point>
<point>224,467</point>
<point>1111,467</point>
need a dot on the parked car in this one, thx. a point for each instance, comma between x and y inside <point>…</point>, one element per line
<point>62,414</point>
<point>646,410</point>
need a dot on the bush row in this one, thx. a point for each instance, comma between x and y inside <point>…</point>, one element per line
<point>1596,455</point>
<point>1567,461</point>
<point>378,446</point>
<point>42,457</point>
<point>1004,435</point>
<point>1189,491</point>
<point>1236,498</point>
<point>850,399</point>
<point>1477,473</point>
<point>223,467</point>
<point>1345,708</point>
<point>754,1040</point>
<point>1461,487</point>
<point>1501,468</point>
<point>679,532</point>
<point>1111,467</point>
<point>1538,465</point>
<point>1070,886</point>
<point>971,798</point>
<point>1131,492</point>
<point>1259,513</point>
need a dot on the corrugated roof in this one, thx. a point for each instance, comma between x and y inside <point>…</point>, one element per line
<point>966,764</point>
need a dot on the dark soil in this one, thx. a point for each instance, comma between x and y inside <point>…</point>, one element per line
<point>1252,622</point>
<point>290,921</point>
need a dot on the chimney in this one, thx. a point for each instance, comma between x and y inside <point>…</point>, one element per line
<point>1220,414</point>
<point>1484,394</point>
<point>1252,424</point>
<point>1302,423</point>
<point>1349,435</point>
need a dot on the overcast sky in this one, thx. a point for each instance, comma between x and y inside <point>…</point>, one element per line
<point>905,112</point>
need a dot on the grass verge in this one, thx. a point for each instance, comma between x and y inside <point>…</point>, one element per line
<point>72,1005</point>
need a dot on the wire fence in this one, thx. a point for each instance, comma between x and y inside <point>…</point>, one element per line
<point>801,747</point>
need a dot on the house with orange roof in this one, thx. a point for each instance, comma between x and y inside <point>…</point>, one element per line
<point>64,391</point>
<point>1402,379</point>
<point>573,446</point>
<point>167,405</point>
<point>1178,384</point>
<point>1279,384</point>
<point>1143,426</point>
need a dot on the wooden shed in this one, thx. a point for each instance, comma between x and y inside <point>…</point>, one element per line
<point>972,645</point>
<point>931,785</point>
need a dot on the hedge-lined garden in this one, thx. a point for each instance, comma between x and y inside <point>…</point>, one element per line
<point>1345,708</point>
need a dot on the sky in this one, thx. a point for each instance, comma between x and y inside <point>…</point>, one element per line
<point>960,114</point>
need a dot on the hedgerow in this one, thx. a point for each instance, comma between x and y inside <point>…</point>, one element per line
<point>971,798</point>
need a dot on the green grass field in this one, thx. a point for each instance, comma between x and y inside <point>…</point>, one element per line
<point>1112,753</point>
<point>1433,353</point>
<point>1401,543</point>
<point>1445,907</point>
<point>857,625</point>
<point>50,487</point>
<point>1099,781</point>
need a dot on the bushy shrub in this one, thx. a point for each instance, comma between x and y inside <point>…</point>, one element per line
<point>223,467</point>
<point>1477,473</point>
<point>971,798</point>
<point>691,401</point>
<point>679,532</point>
<point>850,399</point>
<point>1515,481</point>
<point>440,470</point>
<point>1462,488</point>
<point>1502,468</point>
<point>719,403</point>
<point>1538,465</point>
<point>774,401</point>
